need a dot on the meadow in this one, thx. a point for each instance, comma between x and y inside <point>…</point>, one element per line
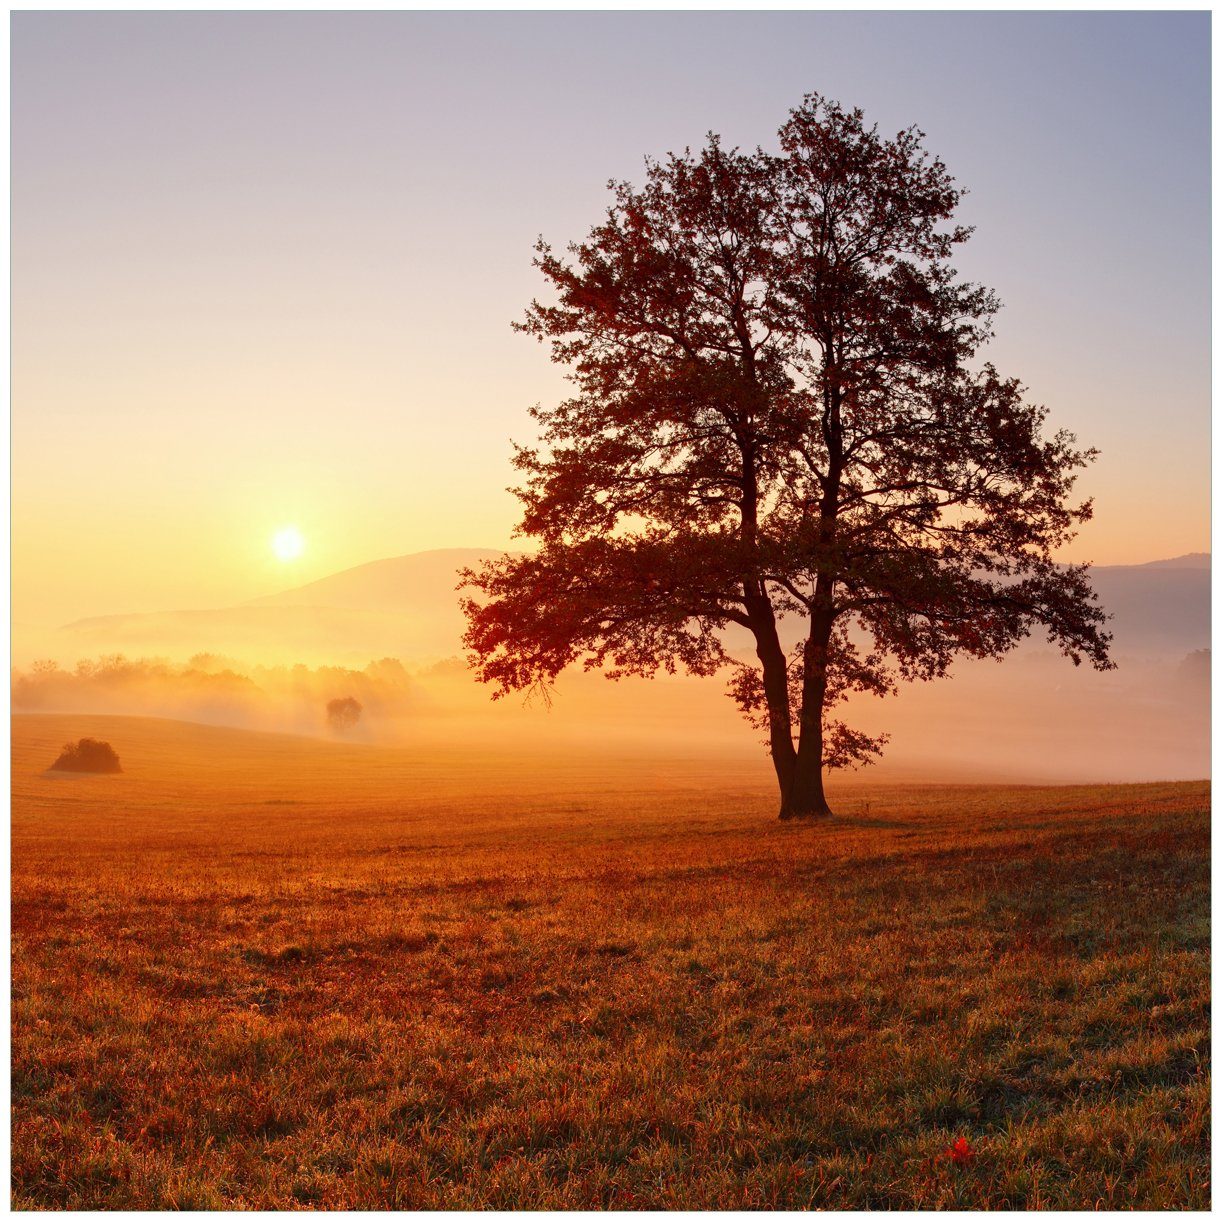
<point>259,971</point>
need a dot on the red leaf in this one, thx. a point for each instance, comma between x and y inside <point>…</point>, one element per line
<point>961,1153</point>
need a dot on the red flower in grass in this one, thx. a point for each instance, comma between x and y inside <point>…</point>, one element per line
<point>961,1153</point>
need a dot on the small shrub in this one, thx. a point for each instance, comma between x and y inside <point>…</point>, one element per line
<point>88,755</point>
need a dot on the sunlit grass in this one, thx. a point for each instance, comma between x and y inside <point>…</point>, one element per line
<point>257,972</point>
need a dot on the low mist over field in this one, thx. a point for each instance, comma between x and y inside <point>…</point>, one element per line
<point>388,634</point>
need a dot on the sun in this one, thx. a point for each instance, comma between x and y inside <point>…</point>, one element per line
<point>287,543</point>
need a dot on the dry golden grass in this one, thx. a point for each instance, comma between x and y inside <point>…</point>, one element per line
<point>266,972</point>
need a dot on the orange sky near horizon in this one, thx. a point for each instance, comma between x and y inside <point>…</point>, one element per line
<point>243,301</point>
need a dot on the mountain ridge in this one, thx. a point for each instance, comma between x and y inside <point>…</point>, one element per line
<point>407,607</point>
<point>1192,561</point>
<point>1189,560</point>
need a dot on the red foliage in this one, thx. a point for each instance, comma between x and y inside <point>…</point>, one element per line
<point>961,1152</point>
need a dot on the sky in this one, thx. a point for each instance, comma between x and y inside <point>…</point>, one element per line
<point>264,265</point>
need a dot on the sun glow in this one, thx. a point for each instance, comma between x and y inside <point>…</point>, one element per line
<point>287,543</point>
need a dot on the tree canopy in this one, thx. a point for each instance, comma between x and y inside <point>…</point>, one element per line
<point>778,413</point>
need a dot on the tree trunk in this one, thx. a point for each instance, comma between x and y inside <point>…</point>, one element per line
<point>775,674</point>
<point>805,798</point>
<point>780,730</point>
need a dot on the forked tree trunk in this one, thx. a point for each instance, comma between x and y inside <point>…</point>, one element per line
<point>805,798</point>
<point>799,773</point>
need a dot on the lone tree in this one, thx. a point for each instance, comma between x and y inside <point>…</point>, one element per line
<point>775,419</point>
<point>343,713</point>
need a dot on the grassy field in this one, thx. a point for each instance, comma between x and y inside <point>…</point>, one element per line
<point>258,971</point>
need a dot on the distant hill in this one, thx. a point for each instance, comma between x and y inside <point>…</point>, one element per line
<point>1161,607</point>
<point>1033,718</point>
<point>407,607</point>
<point>1191,560</point>
<point>404,607</point>
<point>419,582</point>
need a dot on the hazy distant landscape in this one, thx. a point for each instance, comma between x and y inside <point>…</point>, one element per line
<point>407,607</point>
<point>389,633</point>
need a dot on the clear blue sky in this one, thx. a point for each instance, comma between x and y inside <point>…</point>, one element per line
<point>265,264</point>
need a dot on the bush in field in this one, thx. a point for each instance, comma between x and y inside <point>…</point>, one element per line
<point>343,713</point>
<point>88,755</point>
